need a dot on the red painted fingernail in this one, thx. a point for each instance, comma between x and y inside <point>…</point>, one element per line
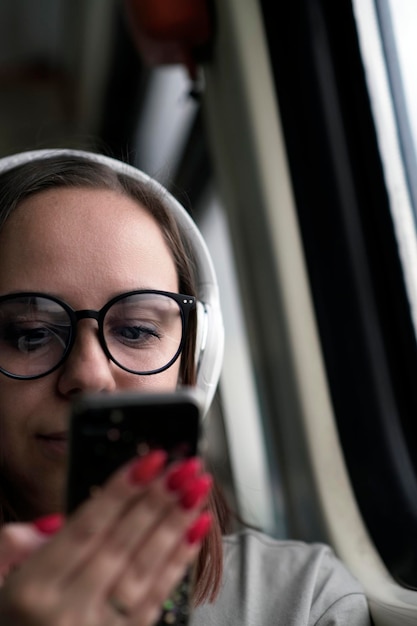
<point>199,529</point>
<point>180,475</point>
<point>49,524</point>
<point>148,467</point>
<point>196,491</point>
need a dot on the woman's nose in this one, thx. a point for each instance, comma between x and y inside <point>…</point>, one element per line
<point>87,368</point>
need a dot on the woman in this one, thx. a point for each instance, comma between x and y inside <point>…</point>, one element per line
<point>83,232</point>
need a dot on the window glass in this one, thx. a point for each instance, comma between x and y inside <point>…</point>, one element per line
<point>402,15</point>
<point>389,46</point>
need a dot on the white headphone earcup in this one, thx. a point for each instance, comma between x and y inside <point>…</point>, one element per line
<point>209,350</point>
<point>201,336</point>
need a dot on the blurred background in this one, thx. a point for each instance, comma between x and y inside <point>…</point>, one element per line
<point>71,75</point>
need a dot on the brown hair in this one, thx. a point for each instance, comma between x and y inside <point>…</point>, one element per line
<point>74,171</point>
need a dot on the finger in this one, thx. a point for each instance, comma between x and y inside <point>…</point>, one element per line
<point>163,546</point>
<point>173,586</point>
<point>17,543</point>
<point>86,530</point>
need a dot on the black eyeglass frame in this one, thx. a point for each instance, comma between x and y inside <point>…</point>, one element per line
<point>186,305</point>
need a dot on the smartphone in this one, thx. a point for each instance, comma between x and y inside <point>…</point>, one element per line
<point>108,430</point>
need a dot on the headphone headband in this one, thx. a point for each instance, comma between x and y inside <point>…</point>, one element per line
<point>210,331</point>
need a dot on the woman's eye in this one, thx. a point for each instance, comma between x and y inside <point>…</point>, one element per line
<point>139,334</point>
<point>26,339</point>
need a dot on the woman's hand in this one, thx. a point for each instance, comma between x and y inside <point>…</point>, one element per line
<point>119,556</point>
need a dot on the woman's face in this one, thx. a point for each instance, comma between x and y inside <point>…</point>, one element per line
<point>83,246</point>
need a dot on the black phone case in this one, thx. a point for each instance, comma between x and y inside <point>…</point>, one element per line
<point>107,431</point>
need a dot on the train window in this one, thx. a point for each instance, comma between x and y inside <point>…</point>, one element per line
<point>312,135</point>
<point>388,47</point>
<point>294,128</point>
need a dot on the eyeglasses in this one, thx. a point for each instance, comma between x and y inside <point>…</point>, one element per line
<point>143,332</point>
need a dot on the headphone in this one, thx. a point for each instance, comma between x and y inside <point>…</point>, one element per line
<point>210,329</point>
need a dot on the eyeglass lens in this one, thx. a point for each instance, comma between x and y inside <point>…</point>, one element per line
<point>142,332</point>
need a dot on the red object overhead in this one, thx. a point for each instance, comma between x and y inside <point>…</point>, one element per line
<point>170,31</point>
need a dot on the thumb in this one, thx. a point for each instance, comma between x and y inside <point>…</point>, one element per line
<point>19,540</point>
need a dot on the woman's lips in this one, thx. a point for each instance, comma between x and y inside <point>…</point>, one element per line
<point>54,445</point>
